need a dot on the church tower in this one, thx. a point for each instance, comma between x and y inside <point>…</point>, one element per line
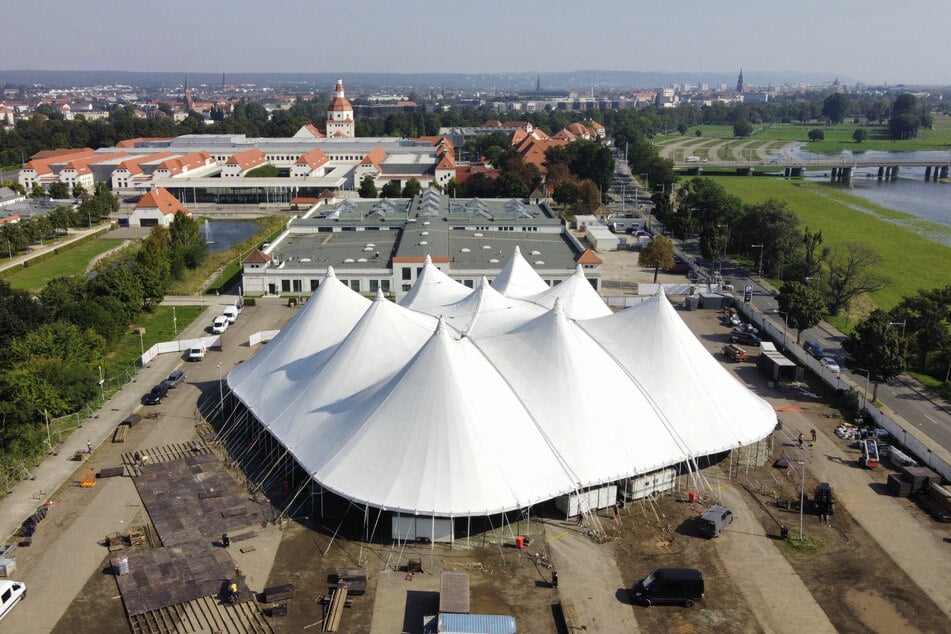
<point>739,82</point>
<point>340,114</point>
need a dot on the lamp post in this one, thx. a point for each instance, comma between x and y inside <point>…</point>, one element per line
<point>49,439</point>
<point>141,342</point>
<point>102,391</point>
<point>785,315</point>
<point>174,321</point>
<point>899,323</point>
<point>221,393</point>
<point>759,269</point>
<point>867,375</point>
<point>802,494</point>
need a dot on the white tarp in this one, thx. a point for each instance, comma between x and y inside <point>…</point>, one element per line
<point>467,402</point>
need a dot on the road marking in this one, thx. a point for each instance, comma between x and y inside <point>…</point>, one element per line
<point>931,419</point>
<point>554,537</point>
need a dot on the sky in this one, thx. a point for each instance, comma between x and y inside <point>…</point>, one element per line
<point>870,41</point>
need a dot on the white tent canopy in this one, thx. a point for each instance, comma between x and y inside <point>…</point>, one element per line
<point>465,402</point>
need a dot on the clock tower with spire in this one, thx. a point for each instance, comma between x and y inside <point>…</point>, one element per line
<point>340,114</point>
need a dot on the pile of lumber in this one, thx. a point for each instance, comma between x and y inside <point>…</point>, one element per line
<point>936,500</point>
<point>911,481</point>
<point>353,580</point>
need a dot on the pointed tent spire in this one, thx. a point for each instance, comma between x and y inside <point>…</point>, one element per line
<point>330,273</point>
<point>379,295</point>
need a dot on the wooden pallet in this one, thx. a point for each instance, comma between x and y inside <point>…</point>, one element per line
<point>166,453</point>
<point>206,614</point>
<point>119,434</point>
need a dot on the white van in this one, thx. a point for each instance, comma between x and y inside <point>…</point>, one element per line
<point>231,313</point>
<point>219,325</point>
<point>10,594</point>
<point>196,352</point>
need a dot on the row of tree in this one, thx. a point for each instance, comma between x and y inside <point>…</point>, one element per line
<point>51,343</point>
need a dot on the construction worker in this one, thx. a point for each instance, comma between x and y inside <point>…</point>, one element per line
<point>233,592</point>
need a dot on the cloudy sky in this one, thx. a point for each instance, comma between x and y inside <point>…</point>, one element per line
<point>873,41</point>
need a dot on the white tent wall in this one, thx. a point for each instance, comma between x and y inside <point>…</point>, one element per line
<point>462,403</point>
<point>411,528</point>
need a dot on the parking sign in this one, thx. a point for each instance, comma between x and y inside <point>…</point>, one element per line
<point>748,293</point>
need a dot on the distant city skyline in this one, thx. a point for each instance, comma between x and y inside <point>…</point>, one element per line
<point>865,41</point>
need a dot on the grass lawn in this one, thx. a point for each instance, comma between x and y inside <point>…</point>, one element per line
<point>837,137</point>
<point>158,326</point>
<point>68,261</point>
<point>910,261</point>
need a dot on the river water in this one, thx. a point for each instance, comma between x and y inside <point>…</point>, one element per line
<point>910,193</point>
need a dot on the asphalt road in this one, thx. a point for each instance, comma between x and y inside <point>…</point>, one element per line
<point>903,398</point>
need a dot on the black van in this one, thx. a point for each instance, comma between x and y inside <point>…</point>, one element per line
<point>669,585</point>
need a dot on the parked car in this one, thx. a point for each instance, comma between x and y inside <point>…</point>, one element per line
<point>669,585</point>
<point>831,364</point>
<point>743,337</point>
<point>726,285</point>
<point>196,353</point>
<point>680,266</point>
<point>713,521</point>
<point>231,313</point>
<point>11,592</point>
<point>155,396</point>
<point>219,325</point>
<point>174,379</point>
<point>813,348</point>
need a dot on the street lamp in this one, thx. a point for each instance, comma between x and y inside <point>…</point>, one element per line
<point>141,342</point>
<point>221,394</point>
<point>867,376</point>
<point>785,315</point>
<point>802,494</point>
<point>102,391</point>
<point>759,270</point>
<point>174,321</point>
<point>899,323</point>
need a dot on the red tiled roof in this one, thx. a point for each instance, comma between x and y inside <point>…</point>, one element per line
<point>133,165</point>
<point>248,159</point>
<point>162,200</point>
<point>62,153</point>
<point>304,200</point>
<point>314,159</point>
<point>589,257</point>
<point>258,256</point>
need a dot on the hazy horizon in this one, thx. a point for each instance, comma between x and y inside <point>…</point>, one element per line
<point>863,41</point>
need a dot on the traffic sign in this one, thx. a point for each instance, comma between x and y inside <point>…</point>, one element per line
<point>748,293</point>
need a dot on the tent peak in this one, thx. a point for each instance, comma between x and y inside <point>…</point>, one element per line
<point>428,259</point>
<point>379,295</point>
<point>330,273</point>
<point>483,282</point>
<point>517,251</point>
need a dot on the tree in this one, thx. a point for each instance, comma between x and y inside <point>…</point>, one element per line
<point>860,135</point>
<point>511,185</point>
<point>711,207</point>
<point>835,107</point>
<point>877,346</point>
<point>263,171</point>
<point>802,305</point>
<point>589,198</point>
<point>659,253</point>
<point>850,274</point>
<point>188,246</point>
<point>368,187</point>
<point>927,319</point>
<point>566,193</point>
<point>742,129</point>
<point>412,188</point>
<point>59,190</point>
<point>78,190</point>
<point>771,224</point>
<point>908,114</point>
<point>37,191</point>
<point>817,134</point>
<point>391,190</point>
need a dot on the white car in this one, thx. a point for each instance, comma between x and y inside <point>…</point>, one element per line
<point>830,364</point>
<point>11,592</point>
<point>219,325</point>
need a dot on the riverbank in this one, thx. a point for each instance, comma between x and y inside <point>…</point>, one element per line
<point>909,259</point>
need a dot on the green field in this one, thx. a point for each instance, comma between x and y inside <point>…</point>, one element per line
<point>159,326</point>
<point>69,261</point>
<point>909,260</point>
<point>837,137</point>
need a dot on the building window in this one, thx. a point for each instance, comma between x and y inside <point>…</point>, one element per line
<point>285,286</point>
<point>467,283</point>
<point>355,285</point>
<point>407,274</point>
<point>314,284</point>
<point>385,285</point>
<point>374,286</point>
<point>406,287</point>
<point>296,285</point>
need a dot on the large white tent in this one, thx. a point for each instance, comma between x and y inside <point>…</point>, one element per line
<point>468,402</point>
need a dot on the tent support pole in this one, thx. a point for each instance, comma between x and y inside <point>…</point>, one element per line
<point>339,526</point>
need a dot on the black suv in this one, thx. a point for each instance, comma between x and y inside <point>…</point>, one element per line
<point>155,397</point>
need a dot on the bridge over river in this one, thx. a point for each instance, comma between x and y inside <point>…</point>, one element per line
<point>840,168</point>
